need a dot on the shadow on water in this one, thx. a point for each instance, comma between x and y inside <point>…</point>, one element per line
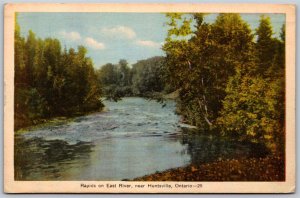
<point>35,157</point>
<point>205,148</point>
<point>134,138</point>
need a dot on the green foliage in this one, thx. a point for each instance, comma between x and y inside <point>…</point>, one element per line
<point>227,81</point>
<point>145,78</point>
<point>265,49</point>
<point>49,82</point>
<point>254,106</point>
<point>148,76</point>
<point>201,66</point>
<point>116,80</point>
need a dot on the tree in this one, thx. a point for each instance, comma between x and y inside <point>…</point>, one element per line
<point>253,108</point>
<point>147,76</point>
<point>116,80</point>
<point>228,82</point>
<point>49,82</point>
<point>108,74</point>
<point>265,44</point>
<point>124,73</point>
<point>201,64</point>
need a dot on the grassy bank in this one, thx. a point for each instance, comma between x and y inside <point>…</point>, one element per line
<point>270,168</point>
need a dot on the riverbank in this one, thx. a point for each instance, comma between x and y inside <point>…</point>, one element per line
<point>269,168</point>
<point>127,141</point>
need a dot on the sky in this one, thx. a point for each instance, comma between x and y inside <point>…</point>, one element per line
<point>110,37</point>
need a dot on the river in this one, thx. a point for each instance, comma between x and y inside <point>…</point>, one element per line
<point>134,137</point>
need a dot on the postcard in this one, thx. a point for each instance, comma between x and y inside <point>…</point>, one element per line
<point>149,98</point>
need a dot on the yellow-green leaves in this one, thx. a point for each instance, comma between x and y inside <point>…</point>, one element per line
<point>228,81</point>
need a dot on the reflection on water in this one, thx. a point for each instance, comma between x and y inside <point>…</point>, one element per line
<point>134,138</point>
<point>38,159</point>
<point>209,148</point>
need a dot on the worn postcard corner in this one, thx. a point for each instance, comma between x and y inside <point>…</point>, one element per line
<point>149,98</point>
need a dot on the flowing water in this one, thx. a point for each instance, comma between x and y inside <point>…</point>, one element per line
<point>133,138</point>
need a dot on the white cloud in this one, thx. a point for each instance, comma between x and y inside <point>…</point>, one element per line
<point>148,43</point>
<point>74,36</point>
<point>93,43</point>
<point>121,31</point>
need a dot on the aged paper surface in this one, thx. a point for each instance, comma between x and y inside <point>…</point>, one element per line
<point>11,185</point>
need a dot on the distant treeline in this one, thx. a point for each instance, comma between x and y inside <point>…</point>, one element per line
<point>231,80</point>
<point>146,78</point>
<point>52,82</point>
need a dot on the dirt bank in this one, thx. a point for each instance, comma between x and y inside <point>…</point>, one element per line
<point>255,169</point>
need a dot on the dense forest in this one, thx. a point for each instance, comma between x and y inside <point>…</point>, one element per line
<point>146,78</point>
<point>230,79</point>
<point>51,82</point>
